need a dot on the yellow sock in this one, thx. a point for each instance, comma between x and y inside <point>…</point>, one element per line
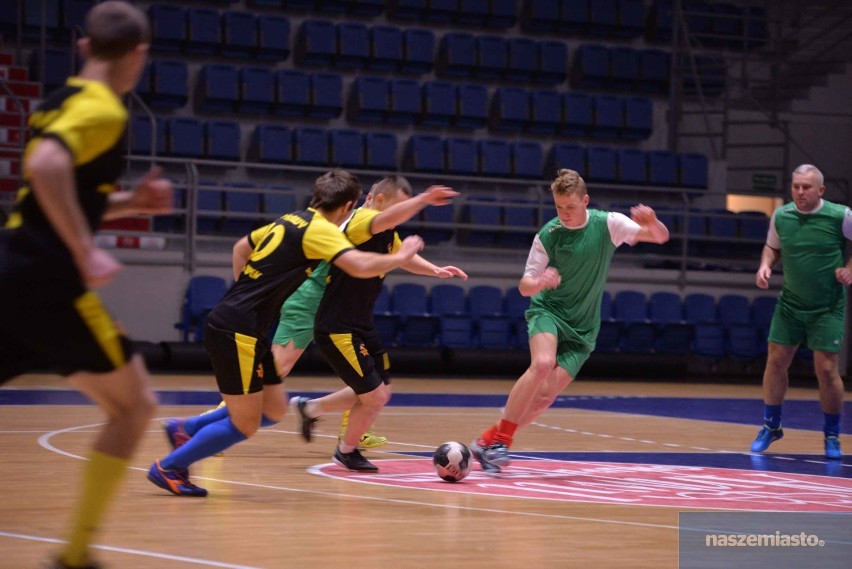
<point>344,423</point>
<point>101,478</point>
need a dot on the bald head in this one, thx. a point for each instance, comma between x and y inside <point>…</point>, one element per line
<point>114,28</point>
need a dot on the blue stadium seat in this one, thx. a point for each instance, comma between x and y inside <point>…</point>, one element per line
<point>527,158</point>
<point>696,230</point>
<point>57,67</point>
<point>541,15</point>
<point>698,19</point>
<point>417,326</point>
<point>143,87</point>
<point>405,105</point>
<point>723,230</point>
<point>484,214</point>
<point>700,308</point>
<point>328,6</point>
<point>762,309</point>
<point>279,202</point>
<point>369,8</point>
<point>218,88</point>
<point>457,55</point>
<point>742,334</point>
<point>591,67</point>
<point>574,18</point>
<point>757,26</point>
<point>609,117</point>
<point>742,342</point>
<point>380,150</point>
<point>141,135</point>
<point>472,106</point>
<point>660,21</point>
<point>711,72</point>
<point>495,158</point>
<point>326,96</point>
<point>673,333</point>
<point>347,148</point>
<point>510,110</point>
<point>631,18</point>
<point>601,161</point>
<point>223,140</point>
<point>209,204</point>
<point>408,9</point>
<point>168,26</point>
<point>418,51</point>
<point>385,48</point>
<point>492,326</point>
<point>625,68</point>
<point>603,18</point>
<point>473,12</point>
<point>203,293</point>
<point>553,63</point>
<point>462,156</point>
<point>239,34</point>
<point>385,321</point>
<point>692,170</point>
<point>654,70</point>
<point>566,155</point>
<point>185,137</point>
<point>577,114</point>
<point>522,63</point>
<point>492,57</point>
<point>545,111</point>
<point>433,218</point>
<point>515,306</point>
<point>168,84</point>
<point>638,118</point>
<point>632,166</point>
<point>257,90</point>
<point>242,209</point>
<point>610,330</point>
<point>273,37</point>
<point>638,334</point>
<point>203,31</point>
<point>425,153</point>
<point>502,14</point>
<point>519,215</point>
<point>734,309</point>
<point>292,92</point>
<point>754,225</point>
<point>353,45</point>
<point>442,11</point>
<point>727,25</point>
<point>439,103</point>
<point>709,341</point>
<point>316,43</point>
<point>448,303</point>
<point>662,168</point>
<point>369,99</point>
<point>310,146</point>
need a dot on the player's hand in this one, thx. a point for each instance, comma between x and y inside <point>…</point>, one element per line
<point>98,268</point>
<point>643,215</point>
<point>438,195</point>
<point>844,276</point>
<point>411,245</point>
<point>550,279</point>
<point>762,277</point>
<point>153,194</point>
<point>449,272</point>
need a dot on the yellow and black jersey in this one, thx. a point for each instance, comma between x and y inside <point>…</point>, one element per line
<point>89,120</point>
<point>348,301</point>
<point>284,254</point>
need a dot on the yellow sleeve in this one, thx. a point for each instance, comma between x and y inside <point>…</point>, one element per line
<point>258,234</point>
<point>358,228</point>
<point>323,240</point>
<point>397,242</point>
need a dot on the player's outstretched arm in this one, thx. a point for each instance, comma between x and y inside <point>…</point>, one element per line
<point>420,266</point>
<point>401,212</point>
<point>364,265</point>
<point>652,229</point>
<point>152,195</point>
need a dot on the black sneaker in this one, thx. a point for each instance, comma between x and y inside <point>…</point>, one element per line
<point>353,461</point>
<point>306,423</point>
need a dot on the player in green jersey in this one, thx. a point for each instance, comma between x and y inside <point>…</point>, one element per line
<point>565,276</point>
<point>810,233</point>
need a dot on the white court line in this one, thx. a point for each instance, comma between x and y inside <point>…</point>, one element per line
<point>139,552</point>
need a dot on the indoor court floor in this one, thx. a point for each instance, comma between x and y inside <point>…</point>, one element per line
<point>597,482</point>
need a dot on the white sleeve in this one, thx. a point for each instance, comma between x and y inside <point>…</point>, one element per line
<point>537,260</point>
<point>772,238</point>
<point>847,224</point>
<point>622,229</point>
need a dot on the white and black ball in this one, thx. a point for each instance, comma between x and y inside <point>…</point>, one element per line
<point>452,461</point>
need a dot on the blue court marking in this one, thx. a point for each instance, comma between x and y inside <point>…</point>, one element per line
<point>795,463</point>
<point>798,414</point>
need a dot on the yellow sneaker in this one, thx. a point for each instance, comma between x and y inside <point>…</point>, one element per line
<point>368,439</point>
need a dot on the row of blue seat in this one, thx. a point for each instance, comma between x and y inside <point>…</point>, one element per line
<point>716,24</point>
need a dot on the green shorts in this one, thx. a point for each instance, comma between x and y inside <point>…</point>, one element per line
<point>571,352</point>
<point>297,318</point>
<point>820,330</point>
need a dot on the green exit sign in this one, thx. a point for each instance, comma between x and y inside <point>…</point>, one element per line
<point>764,182</point>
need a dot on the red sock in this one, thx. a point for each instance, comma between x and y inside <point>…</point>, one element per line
<point>488,436</point>
<point>505,432</point>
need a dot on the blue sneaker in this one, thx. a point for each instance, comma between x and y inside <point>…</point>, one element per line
<point>175,481</point>
<point>175,432</point>
<point>832,447</point>
<point>491,457</point>
<point>766,437</point>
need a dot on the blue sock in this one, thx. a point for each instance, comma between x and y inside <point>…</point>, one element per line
<point>213,438</point>
<point>195,424</point>
<point>832,425</point>
<point>772,416</point>
<point>267,422</point>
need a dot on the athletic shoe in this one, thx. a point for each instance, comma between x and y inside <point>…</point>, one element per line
<point>832,447</point>
<point>306,423</point>
<point>766,437</point>
<point>491,457</point>
<point>353,461</point>
<point>175,432</point>
<point>371,440</point>
<point>175,481</point>
<point>59,564</point>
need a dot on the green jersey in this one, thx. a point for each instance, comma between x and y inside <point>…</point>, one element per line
<point>811,246</point>
<point>310,292</point>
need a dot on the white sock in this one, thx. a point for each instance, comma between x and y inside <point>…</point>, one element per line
<point>344,448</point>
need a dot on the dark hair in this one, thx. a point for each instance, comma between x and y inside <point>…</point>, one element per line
<point>115,28</point>
<point>391,184</point>
<point>333,189</point>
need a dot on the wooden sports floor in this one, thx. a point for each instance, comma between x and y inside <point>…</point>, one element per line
<point>597,482</point>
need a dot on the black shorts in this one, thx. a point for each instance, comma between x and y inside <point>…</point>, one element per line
<point>47,329</point>
<point>358,357</point>
<point>242,364</point>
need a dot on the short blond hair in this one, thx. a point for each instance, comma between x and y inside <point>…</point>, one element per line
<point>568,182</point>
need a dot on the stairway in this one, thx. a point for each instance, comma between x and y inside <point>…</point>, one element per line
<point>18,96</point>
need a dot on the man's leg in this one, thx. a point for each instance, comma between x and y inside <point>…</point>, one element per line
<point>362,415</point>
<point>775,381</point>
<point>556,382</point>
<point>129,402</point>
<point>831,399</point>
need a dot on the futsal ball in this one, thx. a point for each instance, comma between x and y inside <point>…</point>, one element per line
<point>452,461</point>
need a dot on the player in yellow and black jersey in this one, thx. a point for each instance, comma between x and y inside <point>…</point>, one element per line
<point>269,264</point>
<point>344,331</point>
<point>51,319</point>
